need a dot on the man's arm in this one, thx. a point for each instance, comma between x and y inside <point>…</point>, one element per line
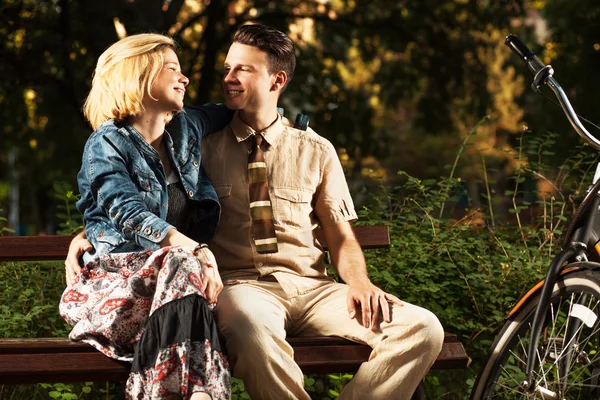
<point>204,119</point>
<point>348,260</point>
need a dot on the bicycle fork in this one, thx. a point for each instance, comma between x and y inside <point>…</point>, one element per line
<point>538,320</point>
<point>574,251</point>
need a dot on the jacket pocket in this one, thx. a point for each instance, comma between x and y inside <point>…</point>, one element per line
<point>150,190</point>
<point>146,181</point>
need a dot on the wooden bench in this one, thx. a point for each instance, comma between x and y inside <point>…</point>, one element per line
<point>51,360</point>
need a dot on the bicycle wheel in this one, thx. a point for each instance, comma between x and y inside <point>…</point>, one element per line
<point>573,359</point>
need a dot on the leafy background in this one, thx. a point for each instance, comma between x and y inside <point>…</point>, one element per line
<point>476,176</point>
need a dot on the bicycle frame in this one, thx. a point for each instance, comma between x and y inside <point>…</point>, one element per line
<point>579,233</point>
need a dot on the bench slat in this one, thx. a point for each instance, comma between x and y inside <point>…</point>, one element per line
<point>60,360</point>
<point>34,248</point>
<point>64,345</point>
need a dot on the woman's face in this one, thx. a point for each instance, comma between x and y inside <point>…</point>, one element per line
<point>169,86</point>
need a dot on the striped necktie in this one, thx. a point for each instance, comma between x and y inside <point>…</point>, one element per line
<point>261,210</point>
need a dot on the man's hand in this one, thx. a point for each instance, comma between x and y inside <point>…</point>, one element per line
<point>372,302</point>
<point>78,246</point>
<point>211,278</point>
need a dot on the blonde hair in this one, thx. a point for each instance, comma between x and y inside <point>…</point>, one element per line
<point>124,72</point>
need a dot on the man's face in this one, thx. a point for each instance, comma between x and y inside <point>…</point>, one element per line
<point>246,80</point>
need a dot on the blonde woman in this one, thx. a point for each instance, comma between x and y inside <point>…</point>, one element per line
<point>147,290</point>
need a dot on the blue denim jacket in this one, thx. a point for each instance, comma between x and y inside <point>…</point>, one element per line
<point>123,187</point>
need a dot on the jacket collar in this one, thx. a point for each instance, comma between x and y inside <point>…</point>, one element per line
<point>127,129</point>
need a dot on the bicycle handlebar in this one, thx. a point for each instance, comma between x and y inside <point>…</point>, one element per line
<point>533,63</point>
<point>543,75</point>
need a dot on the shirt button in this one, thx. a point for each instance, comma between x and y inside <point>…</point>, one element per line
<point>156,234</point>
<point>195,163</point>
<point>260,264</point>
<point>296,197</point>
<point>190,193</point>
<point>148,230</point>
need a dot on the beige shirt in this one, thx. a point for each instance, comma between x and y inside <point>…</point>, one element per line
<point>307,188</point>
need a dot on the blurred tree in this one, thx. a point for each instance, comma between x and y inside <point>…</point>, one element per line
<point>572,46</point>
<point>393,84</point>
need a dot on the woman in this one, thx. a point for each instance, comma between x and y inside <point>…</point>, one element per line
<point>146,292</point>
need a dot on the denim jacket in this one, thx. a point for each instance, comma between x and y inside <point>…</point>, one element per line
<point>123,187</point>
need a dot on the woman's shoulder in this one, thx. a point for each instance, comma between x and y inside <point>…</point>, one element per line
<point>112,133</point>
<point>109,140</point>
<point>109,128</point>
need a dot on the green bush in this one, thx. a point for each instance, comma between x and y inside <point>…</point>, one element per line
<point>471,271</point>
<point>29,295</point>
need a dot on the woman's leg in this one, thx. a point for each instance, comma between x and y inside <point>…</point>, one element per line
<point>179,351</point>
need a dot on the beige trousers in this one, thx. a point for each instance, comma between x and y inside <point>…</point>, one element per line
<point>256,317</point>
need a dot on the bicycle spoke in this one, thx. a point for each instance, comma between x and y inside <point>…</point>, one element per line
<point>566,352</point>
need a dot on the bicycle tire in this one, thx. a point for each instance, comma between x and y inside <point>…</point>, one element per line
<point>502,374</point>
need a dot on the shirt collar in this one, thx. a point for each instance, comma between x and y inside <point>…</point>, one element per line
<point>242,131</point>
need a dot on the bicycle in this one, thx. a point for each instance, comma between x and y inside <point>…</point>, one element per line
<point>549,347</point>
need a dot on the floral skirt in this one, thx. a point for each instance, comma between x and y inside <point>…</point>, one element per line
<point>148,308</point>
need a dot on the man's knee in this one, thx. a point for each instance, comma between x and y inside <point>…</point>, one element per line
<point>435,336</point>
<point>429,334</point>
<point>424,332</point>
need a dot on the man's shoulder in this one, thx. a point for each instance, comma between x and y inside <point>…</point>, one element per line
<point>218,138</point>
<point>216,135</point>
<point>309,136</point>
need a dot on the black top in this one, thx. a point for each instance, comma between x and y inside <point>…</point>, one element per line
<point>191,217</point>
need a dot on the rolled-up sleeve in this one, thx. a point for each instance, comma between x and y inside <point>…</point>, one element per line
<point>333,203</point>
<point>113,190</point>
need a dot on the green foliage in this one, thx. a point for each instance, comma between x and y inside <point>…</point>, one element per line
<point>3,228</point>
<point>70,220</point>
<point>238,390</point>
<point>29,296</point>
<point>465,269</point>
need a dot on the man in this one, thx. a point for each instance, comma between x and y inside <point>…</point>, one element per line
<point>269,296</point>
<point>271,264</point>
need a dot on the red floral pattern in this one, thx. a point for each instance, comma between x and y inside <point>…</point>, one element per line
<point>110,303</point>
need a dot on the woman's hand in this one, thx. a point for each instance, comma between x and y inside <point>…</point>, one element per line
<point>78,246</point>
<point>211,277</point>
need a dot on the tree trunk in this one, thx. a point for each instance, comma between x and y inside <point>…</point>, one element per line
<point>216,13</point>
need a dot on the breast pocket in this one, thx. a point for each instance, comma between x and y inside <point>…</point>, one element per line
<point>150,189</point>
<point>292,207</point>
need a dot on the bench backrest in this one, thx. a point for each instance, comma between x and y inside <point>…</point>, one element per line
<point>30,248</point>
